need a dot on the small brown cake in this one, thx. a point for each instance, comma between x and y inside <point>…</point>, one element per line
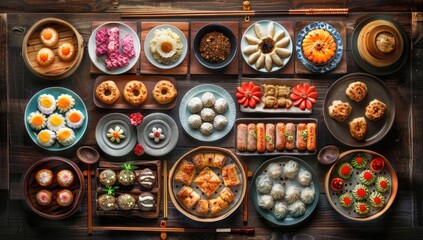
<point>358,128</point>
<point>107,177</point>
<point>45,57</point>
<point>356,91</point>
<point>107,202</point>
<point>146,201</point>
<point>49,36</point>
<point>135,92</point>
<point>164,92</point>
<point>64,197</point>
<point>44,177</point>
<point>147,178</point>
<point>66,51</point>
<point>65,178</point>
<point>339,110</point>
<point>107,92</point>
<point>375,110</point>
<point>44,197</point>
<point>126,201</point>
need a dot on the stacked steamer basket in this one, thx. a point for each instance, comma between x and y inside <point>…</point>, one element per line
<point>58,69</point>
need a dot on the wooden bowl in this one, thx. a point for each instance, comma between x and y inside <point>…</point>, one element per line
<point>31,187</point>
<point>238,190</point>
<point>58,69</point>
<point>374,213</point>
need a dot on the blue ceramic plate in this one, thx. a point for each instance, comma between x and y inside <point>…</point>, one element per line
<point>150,57</point>
<point>268,214</point>
<point>169,130</point>
<point>112,148</point>
<point>198,91</point>
<point>264,24</point>
<point>100,62</point>
<point>319,68</point>
<point>32,106</point>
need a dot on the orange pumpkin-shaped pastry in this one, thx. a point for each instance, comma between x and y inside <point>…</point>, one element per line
<point>319,46</point>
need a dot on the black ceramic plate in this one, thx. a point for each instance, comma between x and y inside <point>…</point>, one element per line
<point>379,70</point>
<point>376,130</point>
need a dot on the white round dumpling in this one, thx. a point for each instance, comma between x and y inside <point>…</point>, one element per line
<point>55,122</point>
<point>36,120</point>
<point>291,169</point>
<point>46,138</point>
<point>274,170</point>
<point>46,103</point>
<point>280,210</point>
<point>307,195</point>
<point>220,122</point>
<point>221,105</point>
<point>195,105</point>
<point>194,121</point>
<point>278,191</point>
<point>206,128</point>
<point>65,136</point>
<point>266,202</point>
<point>304,177</point>
<point>297,209</point>
<point>292,194</point>
<point>208,99</point>
<point>264,183</point>
<point>207,114</point>
<point>74,118</point>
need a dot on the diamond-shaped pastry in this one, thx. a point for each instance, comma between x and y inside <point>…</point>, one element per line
<point>208,182</point>
<point>230,175</point>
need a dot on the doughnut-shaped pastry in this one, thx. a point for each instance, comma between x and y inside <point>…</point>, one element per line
<point>49,36</point>
<point>45,57</point>
<point>66,51</point>
<point>358,128</point>
<point>135,92</point>
<point>164,92</point>
<point>107,92</point>
<point>375,110</point>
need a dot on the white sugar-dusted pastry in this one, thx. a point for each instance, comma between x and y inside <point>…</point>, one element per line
<point>195,105</point>
<point>304,177</point>
<point>356,91</point>
<point>206,128</point>
<point>194,121</point>
<point>65,136</point>
<point>280,210</point>
<point>74,118</point>
<point>278,191</point>
<point>274,170</point>
<point>297,209</point>
<point>264,183</point>
<point>36,120</point>
<point>307,195</point>
<point>292,194</point>
<point>65,102</point>
<point>221,105</point>
<point>46,103</point>
<point>266,202</point>
<point>291,169</point>
<point>220,122</point>
<point>46,138</point>
<point>208,99</point>
<point>207,114</point>
<point>55,121</point>
<point>339,110</point>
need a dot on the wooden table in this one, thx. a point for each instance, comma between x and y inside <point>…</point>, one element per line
<point>402,145</point>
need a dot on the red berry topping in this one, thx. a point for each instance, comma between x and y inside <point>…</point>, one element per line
<point>361,192</point>
<point>368,176</point>
<point>138,150</point>
<point>337,184</point>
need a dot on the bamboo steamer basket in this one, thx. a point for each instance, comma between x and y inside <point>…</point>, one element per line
<point>58,69</point>
<point>31,187</point>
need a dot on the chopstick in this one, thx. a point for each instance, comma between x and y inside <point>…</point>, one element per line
<point>245,202</point>
<point>247,231</point>
<point>309,11</point>
<point>165,186</point>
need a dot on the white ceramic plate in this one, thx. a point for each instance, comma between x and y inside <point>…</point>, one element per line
<point>150,57</point>
<point>100,62</point>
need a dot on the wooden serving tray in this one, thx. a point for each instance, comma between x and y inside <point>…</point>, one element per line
<point>289,67</point>
<point>131,24</point>
<point>146,66</point>
<point>341,68</point>
<point>136,190</point>
<point>195,65</point>
<point>149,82</point>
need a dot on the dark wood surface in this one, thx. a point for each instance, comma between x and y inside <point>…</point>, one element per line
<point>402,145</point>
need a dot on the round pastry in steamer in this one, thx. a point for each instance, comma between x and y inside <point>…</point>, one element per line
<point>44,197</point>
<point>49,36</point>
<point>44,177</point>
<point>107,92</point>
<point>135,92</point>
<point>65,178</point>
<point>66,51</point>
<point>164,92</point>
<point>64,197</point>
<point>45,57</point>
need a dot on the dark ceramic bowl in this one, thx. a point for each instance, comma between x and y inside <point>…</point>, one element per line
<point>210,28</point>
